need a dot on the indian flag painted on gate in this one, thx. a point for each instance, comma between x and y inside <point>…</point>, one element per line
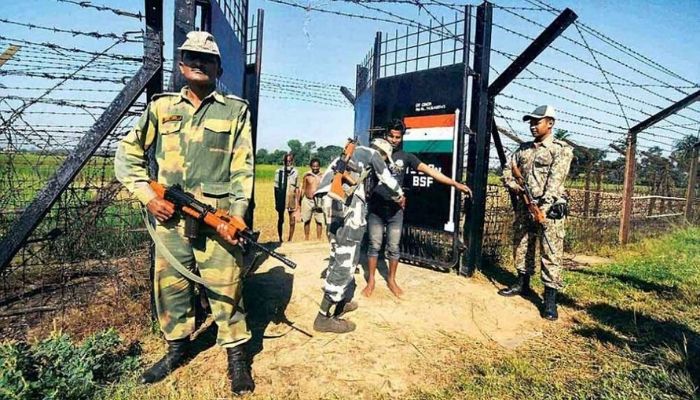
<point>430,134</point>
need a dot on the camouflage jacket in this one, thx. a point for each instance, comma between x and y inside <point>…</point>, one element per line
<point>544,167</point>
<point>208,151</point>
<point>365,161</point>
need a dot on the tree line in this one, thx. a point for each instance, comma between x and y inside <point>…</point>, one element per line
<point>303,153</point>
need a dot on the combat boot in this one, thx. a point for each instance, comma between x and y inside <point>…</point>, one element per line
<point>175,357</point>
<point>521,287</point>
<point>550,304</point>
<point>332,324</point>
<point>239,370</point>
<point>345,307</point>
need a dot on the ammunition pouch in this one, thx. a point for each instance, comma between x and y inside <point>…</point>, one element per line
<point>558,210</point>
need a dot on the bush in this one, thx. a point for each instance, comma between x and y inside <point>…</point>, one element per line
<point>57,368</point>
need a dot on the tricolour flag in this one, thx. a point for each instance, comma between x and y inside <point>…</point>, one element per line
<point>429,134</point>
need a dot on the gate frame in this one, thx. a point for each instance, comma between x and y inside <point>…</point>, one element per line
<point>483,120</point>
<point>367,75</point>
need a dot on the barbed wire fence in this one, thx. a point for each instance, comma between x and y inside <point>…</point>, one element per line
<point>600,88</point>
<point>58,80</point>
<point>55,85</point>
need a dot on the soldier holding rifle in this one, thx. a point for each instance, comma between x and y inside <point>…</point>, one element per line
<point>536,175</point>
<point>344,196</point>
<point>203,143</point>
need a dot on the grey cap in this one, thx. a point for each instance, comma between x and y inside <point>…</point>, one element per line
<point>541,112</point>
<point>200,42</point>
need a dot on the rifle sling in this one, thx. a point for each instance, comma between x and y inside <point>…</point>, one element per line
<point>181,269</point>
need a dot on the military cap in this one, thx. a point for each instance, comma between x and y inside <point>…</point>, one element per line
<point>200,42</point>
<point>540,112</point>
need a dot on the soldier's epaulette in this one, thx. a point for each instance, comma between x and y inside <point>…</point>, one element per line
<point>231,96</point>
<point>159,95</point>
<point>561,143</point>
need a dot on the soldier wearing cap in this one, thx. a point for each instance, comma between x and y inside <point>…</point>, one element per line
<point>202,142</point>
<point>346,226</point>
<point>544,164</point>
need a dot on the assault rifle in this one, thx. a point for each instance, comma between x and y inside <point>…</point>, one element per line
<point>341,168</point>
<point>234,225</point>
<point>526,195</point>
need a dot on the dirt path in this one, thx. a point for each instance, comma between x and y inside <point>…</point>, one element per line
<point>397,344</point>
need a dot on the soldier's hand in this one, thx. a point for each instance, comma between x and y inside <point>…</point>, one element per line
<point>224,231</point>
<point>514,187</point>
<point>463,188</point>
<point>162,209</point>
<point>402,202</point>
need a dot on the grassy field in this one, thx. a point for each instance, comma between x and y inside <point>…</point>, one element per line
<point>629,329</point>
<point>265,219</point>
<point>633,333</point>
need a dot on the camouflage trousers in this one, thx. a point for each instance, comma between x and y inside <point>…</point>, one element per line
<point>346,228</point>
<point>217,262</point>
<point>527,236</point>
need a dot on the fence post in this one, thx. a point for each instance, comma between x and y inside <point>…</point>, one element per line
<point>598,190</point>
<point>628,188</point>
<point>692,177</point>
<point>184,23</point>
<point>630,161</point>
<point>8,54</point>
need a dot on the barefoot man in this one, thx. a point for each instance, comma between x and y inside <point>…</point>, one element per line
<point>386,214</point>
<point>310,206</point>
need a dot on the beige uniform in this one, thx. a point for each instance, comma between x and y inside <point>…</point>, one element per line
<point>544,167</point>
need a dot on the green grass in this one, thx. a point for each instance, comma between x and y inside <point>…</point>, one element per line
<point>634,334</point>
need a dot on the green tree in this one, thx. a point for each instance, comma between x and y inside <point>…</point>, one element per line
<point>683,151</point>
<point>561,134</point>
<point>326,154</point>
<point>275,158</point>
<point>302,152</point>
<point>262,156</point>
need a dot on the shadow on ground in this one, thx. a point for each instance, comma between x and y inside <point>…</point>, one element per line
<point>266,296</point>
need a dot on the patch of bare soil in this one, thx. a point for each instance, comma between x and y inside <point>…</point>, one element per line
<point>398,344</point>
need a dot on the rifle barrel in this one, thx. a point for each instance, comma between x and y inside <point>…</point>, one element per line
<point>250,239</point>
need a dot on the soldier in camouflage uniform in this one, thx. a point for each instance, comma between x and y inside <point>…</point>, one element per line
<point>202,142</point>
<point>544,164</point>
<point>346,222</point>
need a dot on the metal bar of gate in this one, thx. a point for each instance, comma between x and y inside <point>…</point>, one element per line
<point>252,94</point>
<point>478,143</point>
<point>185,11</point>
<point>485,128</point>
<point>541,42</point>
<point>461,131</point>
<point>149,72</point>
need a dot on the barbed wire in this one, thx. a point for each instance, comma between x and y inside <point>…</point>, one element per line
<point>610,58</point>
<point>608,85</point>
<point>94,34</point>
<point>57,65</point>
<point>88,4</point>
<point>54,46</point>
<point>616,44</point>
